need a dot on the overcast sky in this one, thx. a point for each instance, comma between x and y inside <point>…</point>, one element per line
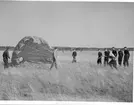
<point>68,24</point>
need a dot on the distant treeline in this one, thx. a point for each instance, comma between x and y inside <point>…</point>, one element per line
<point>71,48</point>
<point>86,48</point>
<point>4,47</point>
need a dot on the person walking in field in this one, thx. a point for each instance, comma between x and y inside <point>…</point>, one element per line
<point>106,57</point>
<point>126,57</point>
<point>6,57</point>
<point>74,54</point>
<point>99,60</point>
<point>54,62</point>
<point>120,56</point>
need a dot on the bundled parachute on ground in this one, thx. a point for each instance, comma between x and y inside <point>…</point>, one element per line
<point>32,49</point>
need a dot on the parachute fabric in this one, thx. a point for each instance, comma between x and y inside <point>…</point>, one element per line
<point>32,49</point>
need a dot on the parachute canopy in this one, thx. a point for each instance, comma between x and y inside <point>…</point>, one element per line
<point>32,49</point>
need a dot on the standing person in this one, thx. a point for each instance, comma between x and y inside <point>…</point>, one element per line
<point>6,57</point>
<point>74,54</point>
<point>120,56</point>
<point>99,57</point>
<point>106,57</point>
<point>126,57</point>
<point>114,52</point>
<point>112,62</point>
<point>54,62</point>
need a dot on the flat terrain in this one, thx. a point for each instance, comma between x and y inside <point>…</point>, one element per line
<point>82,81</point>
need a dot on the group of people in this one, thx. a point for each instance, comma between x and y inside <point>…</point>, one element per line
<point>111,57</point>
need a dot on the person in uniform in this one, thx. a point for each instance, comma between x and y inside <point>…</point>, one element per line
<point>114,52</point>
<point>120,56</point>
<point>74,54</point>
<point>6,57</point>
<point>99,60</point>
<point>126,57</point>
<point>106,57</point>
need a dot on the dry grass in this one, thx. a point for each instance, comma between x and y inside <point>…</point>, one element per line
<point>83,81</point>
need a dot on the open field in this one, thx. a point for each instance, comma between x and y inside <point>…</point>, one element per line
<point>83,81</point>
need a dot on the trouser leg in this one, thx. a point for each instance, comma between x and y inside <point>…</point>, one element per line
<point>120,61</point>
<point>74,59</point>
<point>52,65</point>
<point>114,64</point>
<point>99,61</point>
<point>125,62</point>
<point>5,63</point>
<point>110,64</point>
<point>105,61</point>
<point>56,65</point>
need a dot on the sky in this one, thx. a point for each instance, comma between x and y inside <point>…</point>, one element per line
<point>83,24</point>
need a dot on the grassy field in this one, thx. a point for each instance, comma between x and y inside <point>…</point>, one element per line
<point>83,81</point>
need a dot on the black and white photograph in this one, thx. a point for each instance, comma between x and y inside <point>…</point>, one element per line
<point>66,51</point>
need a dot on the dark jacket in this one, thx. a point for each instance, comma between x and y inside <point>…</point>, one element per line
<point>6,55</point>
<point>126,53</point>
<point>106,53</point>
<point>74,53</point>
<point>120,54</point>
<point>99,55</point>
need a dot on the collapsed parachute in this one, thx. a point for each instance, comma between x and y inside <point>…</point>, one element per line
<point>32,49</point>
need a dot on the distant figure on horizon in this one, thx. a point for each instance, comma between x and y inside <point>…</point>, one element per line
<point>54,62</point>
<point>99,60</point>
<point>74,54</point>
<point>120,56</point>
<point>6,57</point>
<point>106,57</point>
<point>126,57</point>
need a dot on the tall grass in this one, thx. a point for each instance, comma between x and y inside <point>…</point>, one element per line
<point>83,81</point>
